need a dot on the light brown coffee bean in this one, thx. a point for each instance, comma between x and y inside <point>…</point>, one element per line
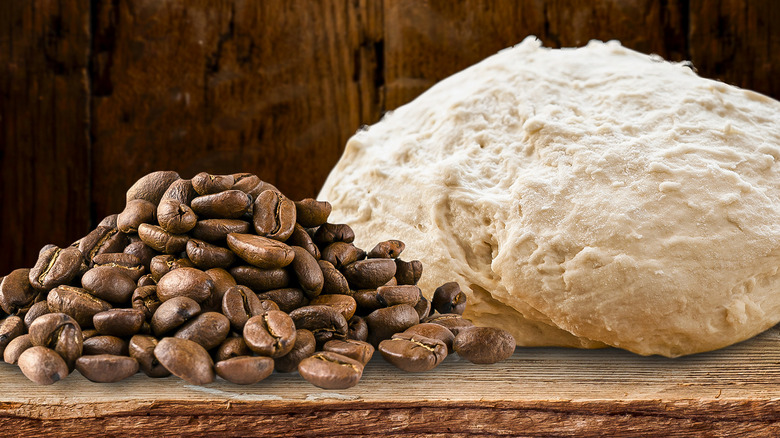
<point>385,322</point>
<point>59,332</point>
<point>454,322</point>
<point>413,353</point>
<point>325,322</point>
<point>102,240</point>
<point>329,370</point>
<point>305,345</point>
<point>163,264</point>
<point>328,233</point>
<point>106,368</point>
<point>245,370</point>
<point>357,329</point>
<point>127,264</point>
<point>36,310</point>
<point>231,347</point>
<point>484,345</point>
<point>42,365</point>
<point>300,237</point>
<point>15,348</point>
<point>433,331</point>
<point>340,254</point>
<point>260,251</point>
<point>186,360</point>
<point>151,187</point>
<point>141,348</point>
<point>251,184</point>
<point>392,295</point>
<point>185,282</point>
<point>143,252</point>
<point>239,304</point>
<point>10,328</point>
<point>145,300</point>
<point>136,212</point>
<point>222,282</point>
<point>359,350</point>
<point>288,299</point>
<point>345,304</point>
<point>180,190</point>
<point>423,307</point>
<point>389,249</point>
<point>270,334</point>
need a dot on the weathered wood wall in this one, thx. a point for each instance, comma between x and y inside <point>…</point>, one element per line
<point>94,94</point>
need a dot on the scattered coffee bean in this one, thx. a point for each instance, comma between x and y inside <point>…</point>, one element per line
<point>109,284</point>
<point>433,331</point>
<point>325,322</point>
<point>340,254</point>
<point>160,240</point>
<point>484,344</point>
<point>206,256</point>
<point>334,281</point>
<point>357,329</point>
<point>385,322</point>
<point>329,233</point>
<point>245,370</point>
<point>216,230</point>
<point>392,295</point>
<point>300,237</point>
<point>36,310</point>
<point>102,240</point>
<point>261,279</point>
<point>308,272</point>
<point>329,370</point>
<point>106,368</point>
<point>163,264</point>
<point>239,304</point>
<point>454,322</point>
<point>59,332</point>
<point>176,217</point>
<point>413,353</point>
<point>181,191</point>
<point>288,299</point>
<point>127,264</point>
<point>423,307</point>
<point>359,350</point>
<point>42,365</point>
<point>145,299</point>
<point>408,272</point>
<point>345,304</point>
<point>10,328</point>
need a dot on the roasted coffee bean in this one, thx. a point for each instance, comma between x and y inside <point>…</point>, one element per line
<point>245,370</point>
<point>328,233</point>
<point>251,184</point>
<point>305,345</point>
<point>42,365</point>
<point>300,237</point>
<point>10,328</point>
<point>392,295</point>
<point>325,322</point>
<point>413,353</point>
<point>108,221</point>
<point>454,322</point>
<point>207,329</point>
<point>16,293</point>
<point>367,300</point>
<point>102,240</point>
<point>207,184</point>
<point>334,281</point>
<point>423,307</point>
<point>307,271</point>
<point>261,279</point>
<point>76,302</point>
<point>288,299</point>
<point>391,282</point>
<point>109,284</point>
<point>103,344</point>
<point>161,240</point>
<point>207,256</point>
<point>176,217</point>
<point>270,334</point>
<point>389,249</point>
<point>55,266</point>
<point>186,282</point>
<point>484,345</point>
<point>59,332</point>
<point>448,298</point>
<point>222,282</point>
<point>239,304</point>
<point>141,348</point>
<point>357,329</point>
<point>340,254</point>
<point>434,331</point>
<point>147,280</point>
<point>145,299</point>
<point>186,360</point>
<point>216,230</point>
<point>173,313</point>
<point>136,212</point>
<point>385,322</point>
<point>408,272</point>
<point>369,273</point>
<point>180,190</point>
<point>231,347</point>
<point>15,348</point>
<point>230,204</point>
<point>142,251</point>
<point>36,310</point>
<point>260,251</point>
<point>329,370</point>
<point>119,322</point>
<point>359,350</point>
<point>125,263</point>
<point>89,333</point>
<point>106,368</point>
<point>312,213</point>
<point>151,187</point>
<point>345,304</point>
<point>273,215</point>
<point>163,264</point>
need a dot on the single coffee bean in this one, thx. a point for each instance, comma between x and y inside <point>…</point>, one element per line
<point>270,334</point>
<point>345,304</point>
<point>207,329</point>
<point>260,251</point>
<point>328,233</point>
<point>128,264</point>
<point>359,350</point>
<point>231,347</point>
<point>288,299</point>
<point>136,212</point>
<point>10,328</point>
<point>15,348</point>
<point>207,184</point>
<point>42,365</point>
<point>185,282</point>
<point>413,353</point>
<point>357,329</point>
<point>251,184</point>
<point>163,264</point>
<point>325,322</point>
<point>274,215</point>
<point>329,370</point>
<point>106,368</point>
<point>245,370</point>
<point>311,213</point>
<point>239,304</point>
<point>143,252</point>
<point>230,204</point>
<point>109,284</point>
<point>176,217</point>
<point>160,240</point>
<point>102,240</point>
<point>141,348</point>
<point>147,280</point>
<point>385,322</point>
<point>305,345</point>
<point>173,313</point>
<point>334,281</point>
<point>222,282</point>
<point>16,293</point>
<point>434,331</point>
<point>36,310</point>
<point>300,237</point>
<point>389,249</point>
<point>206,256</point>
<point>145,299</point>
<point>307,271</point>
<point>340,254</point>
<point>408,272</point>
<point>186,360</point>
<point>59,332</point>
<point>369,273</point>
<point>102,344</point>
<point>151,187</point>
<point>261,279</point>
<point>454,322</point>
<point>180,190</point>
<point>448,298</point>
<point>76,302</point>
<point>423,307</point>
<point>119,322</point>
<point>108,221</point>
<point>392,295</point>
<point>367,300</point>
<point>484,345</point>
<point>216,230</point>
<point>89,333</point>
<point>55,266</point>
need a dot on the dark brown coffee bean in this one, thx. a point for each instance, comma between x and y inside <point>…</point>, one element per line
<point>106,368</point>
<point>270,334</point>
<point>408,272</point>
<point>423,307</point>
<point>180,190</point>
<point>186,360</point>
<point>207,184</point>
<point>15,348</point>
<point>305,345</point>
<point>454,322</point>
<point>222,282</point>
<point>340,254</point>
<point>324,322</point>
<point>142,251</point>
<point>102,240</point>
<point>358,329</point>
<point>161,240</point>
<point>104,344</point>
<point>312,213</point>
<point>260,251</point>
<point>273,215</point>
<point>413,353</point>
<point>136,212</point>
<point>288,299</point>
<point>119,322</point>
<point>307,271</point>
<point>329,370</point>
<point>173,313</point>
<point>176,217</point>
<point>328,233</point>
<point>391,282</point>
<point>251,184</point>
<point>76,302</point>
<point>369,273</point>
<point>207,329</point>
<point>151,187</point>
<point>10,328</point>
<point>128,264</point>
<point>36,310</point>
<point>261,279</point>
<point>145,300</point>
<point>434,331</point>
<point>42,365</point>
<point>392,295</point>
<point>345,304</point>
<point>239,304</point>
<point>334,281</point>
<point>147,280</point>
<point>484,345</point>
<point>206,256</point>
<point>89,333</point>
<point>230,204</point>
<point>108,284</point>
<point>55,266</point>
<point>300,237</point>
<point>216,230</point>
<point>245,370</point>
<point>164,264</point>
<point>387,321</point>
<point>16,293</point>
<point>59,332</point>
<point>185,282</point>
<point>367,301</point>
<point>108,221</point>
<point>388,249</point>
<point>448,298</point>
<point>141,348</point>
<point>231,347</point>
<point>359,350</point>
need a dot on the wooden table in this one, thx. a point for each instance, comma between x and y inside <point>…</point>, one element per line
<point>539,391</point>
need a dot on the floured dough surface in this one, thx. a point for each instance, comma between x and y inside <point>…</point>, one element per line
<point>581,197</point>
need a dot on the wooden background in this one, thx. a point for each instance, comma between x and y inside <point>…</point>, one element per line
<point>94,94</point>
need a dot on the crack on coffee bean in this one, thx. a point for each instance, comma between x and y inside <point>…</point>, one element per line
<point>53,260</point>
<point>95,249</point>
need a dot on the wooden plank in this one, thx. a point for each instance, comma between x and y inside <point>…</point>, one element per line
<point>44,147</point>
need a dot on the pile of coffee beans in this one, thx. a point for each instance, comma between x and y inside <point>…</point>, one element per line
<point>222,275</point>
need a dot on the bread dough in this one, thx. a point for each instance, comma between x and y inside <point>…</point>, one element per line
<point>581,197</point>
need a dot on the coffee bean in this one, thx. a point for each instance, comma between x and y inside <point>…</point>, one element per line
<point>251,184</point>
<point>484,345</point>
<point>385,322</point>
<point>142,251</point>
<point>345,304</point>
<point>141,348</point>
<point>186,360</point>
<point>448,298</point>
<point>102,240</point>
<point>89,333</point>
<point>185,282</point>
<point>359,350</point>
<point>388,249</point>
<point>273,215</point>
<point>307,271</point>
<point>369,273</point>
<point>328,233</point>
<point>239,304</point>
<point>42,365</point>
<point>151,187</point>
<point>119,322</point>
<point>329,370</point>
<point>288,299</point>
<point>270,334</point>
<point>357,329</point>
<point>59,332</point>
<point>146,280</point>
<point>36,310</point>
<point>163,264</point>
<point>300,237</point>
<point>16,293</point>
<point>181,191</point>
<point>145,300</point>
<point>408,272</point>
<point>161,240</point>
<point>222,282</point>
<point>207,329</point>
<point>367,301</point>
<point>77,303</point>
<point>230,204</point>
<point>109,284</point>
<point>173,313</point>
<point>261,279</point>
<point>216,230</point>
<point>55,266</point>
<point>108,221</point>
<point>207,184</point>
<point>245,370</point>
<point>392,295</point>
<point>104,344</point>
<point>340,254</point>
<point>423,307</point>
<point>454,322</point>
<point>305,345</point>
<point>127,264</point>
<point>412,352</point>
<point>176,217</point>
<point>136,212</point>
<point>434,331</point>
<point>312,213</point>
<point>106,368</point>
<point>10,328</point>
<point>15,348</point>
<point>206,256</point>
<point>260,251</point>
<point>324,322</point>
<point>334,281</point>
<point>231,347</point>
